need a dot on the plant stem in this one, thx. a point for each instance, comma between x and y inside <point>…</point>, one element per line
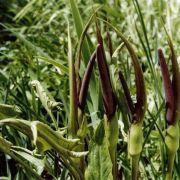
<point>111,130</point>
<point>134,166</point>
<point>135,147</point>
<point>171,158</point>
<point>172,145</point>
<point>113,154</point>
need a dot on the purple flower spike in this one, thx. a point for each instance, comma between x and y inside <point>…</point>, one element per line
<point>85,81</point>
<point>107,92</point>
<point>168,89</point>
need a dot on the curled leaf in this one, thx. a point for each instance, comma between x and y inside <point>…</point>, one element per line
<point>48,103</point>
<point>107,92</point>
<point>169,96</point>
<point>9,110</point>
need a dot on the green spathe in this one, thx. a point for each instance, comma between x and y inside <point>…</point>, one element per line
<point>172,138</point>
<point>135,139</point>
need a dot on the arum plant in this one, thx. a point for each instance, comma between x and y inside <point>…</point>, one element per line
<point>172,98</point>
<point>111,121</point>
<point>78,96</point>
<point>136,111</point>
<point>77,120</point>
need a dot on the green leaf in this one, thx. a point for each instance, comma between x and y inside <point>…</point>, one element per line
<point>9,111</point>
<point>59,65</point>
<point>99,133</point>
<point>100,165</point>
<point>37,162</point>
<point>5,146</point>
<point>38,51</point>
<point>73,111</point>
<point>82,38</point>
<point>48,103</point>
<point>38,131</point>
<point>79,29</point>
<point>43,132</point>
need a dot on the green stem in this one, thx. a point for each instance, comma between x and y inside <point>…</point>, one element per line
<point>111,130</point>
<point>172,145</point>
<point>134,166</point>
<point>171,158</point>
<point>73,124</point>
<point>135,147</point>
<point>113,154</point>
<point>80,134</point>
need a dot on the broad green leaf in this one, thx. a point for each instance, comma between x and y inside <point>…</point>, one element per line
<point>9,111</point>
<point>40,130</point>
<point>41,133</point>
<point>54,139</point>
<point>21,125</point>
<point>100,165</point>
<point>5,146</point>
<point>99,134</point>
<point>37,162</point>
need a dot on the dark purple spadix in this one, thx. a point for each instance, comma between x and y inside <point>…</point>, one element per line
<point>85,81</point>
<point>107,92</point>
<point>169,96</point>
<point>127,94</point>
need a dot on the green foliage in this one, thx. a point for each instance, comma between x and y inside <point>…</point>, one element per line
<point>100,165</point>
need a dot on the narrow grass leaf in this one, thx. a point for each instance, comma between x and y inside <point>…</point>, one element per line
<point>110,46</point>
<point>79,29</point>
<point>82,39</point>
<point>57,64</point>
